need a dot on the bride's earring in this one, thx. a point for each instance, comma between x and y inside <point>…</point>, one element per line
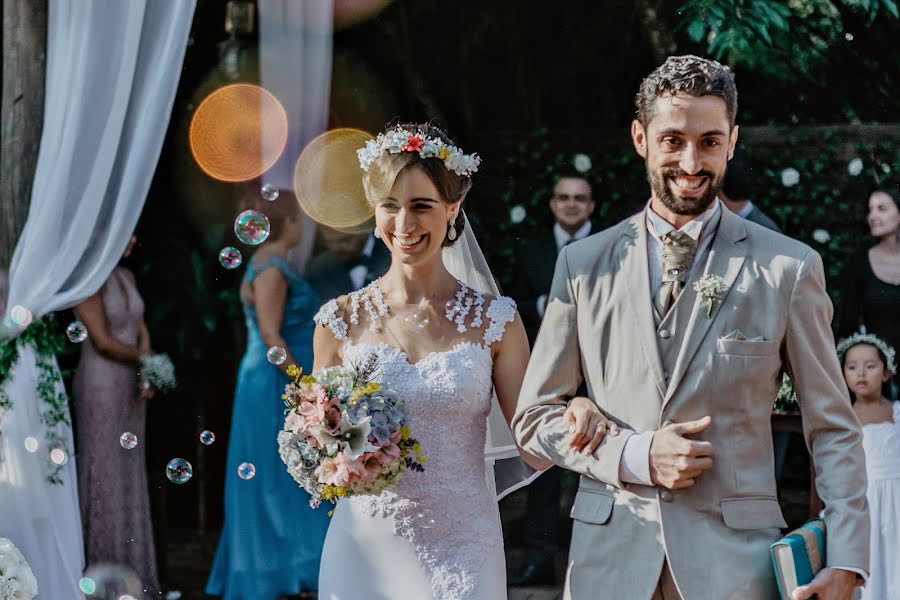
<point>451,235</point>
<point>377,233</point>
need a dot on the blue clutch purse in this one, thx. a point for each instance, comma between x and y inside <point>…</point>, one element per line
<point>798,556</point>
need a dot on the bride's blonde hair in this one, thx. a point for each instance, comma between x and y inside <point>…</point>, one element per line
<point>384,170</point>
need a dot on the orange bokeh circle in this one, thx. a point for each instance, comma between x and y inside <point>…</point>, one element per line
<point>238,132</point>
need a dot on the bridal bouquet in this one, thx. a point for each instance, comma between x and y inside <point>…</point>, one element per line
<point>17,582</point>
<point>344,434</point>
<point>158,371</point>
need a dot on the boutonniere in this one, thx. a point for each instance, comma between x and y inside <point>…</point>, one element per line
<point>710,288</point>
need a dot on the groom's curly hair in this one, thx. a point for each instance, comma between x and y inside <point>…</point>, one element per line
<point>687,74</point>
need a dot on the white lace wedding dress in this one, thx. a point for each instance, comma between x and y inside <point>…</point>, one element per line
<point>434,534</point>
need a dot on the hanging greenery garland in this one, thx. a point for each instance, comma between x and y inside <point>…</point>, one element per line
<point>48,340</point>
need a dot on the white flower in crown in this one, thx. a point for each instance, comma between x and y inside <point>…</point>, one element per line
<point>582,163</point>
<point>400,140</point>
<point>855,166</point>
<point>517,214</point>
<point>889,353</point>
<point>710,287</point>
<point>790,177</point>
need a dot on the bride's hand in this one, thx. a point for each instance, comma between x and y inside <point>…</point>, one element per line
<point>587,425</point>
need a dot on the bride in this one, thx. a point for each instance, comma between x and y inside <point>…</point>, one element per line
<point>444,345</point>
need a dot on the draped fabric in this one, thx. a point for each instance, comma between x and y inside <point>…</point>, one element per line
<point>295,46</point>
<point>112,72</point>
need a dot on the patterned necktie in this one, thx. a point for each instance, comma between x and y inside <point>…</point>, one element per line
<point>678,253</point>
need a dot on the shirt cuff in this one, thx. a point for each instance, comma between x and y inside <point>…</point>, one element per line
<point>635,464</point>
<point>541,305</point>
<point>863,575</point>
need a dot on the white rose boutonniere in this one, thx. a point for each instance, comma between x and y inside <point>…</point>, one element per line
<point>710,288</point>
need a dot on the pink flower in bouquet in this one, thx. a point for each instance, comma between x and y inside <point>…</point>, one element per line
<point>371,462</point>
<point>294,422</point>
<point>339,471</point>
<point>390,453</point>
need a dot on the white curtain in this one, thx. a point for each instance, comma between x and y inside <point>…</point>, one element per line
<point>112,71</point>
<point>295,46</point>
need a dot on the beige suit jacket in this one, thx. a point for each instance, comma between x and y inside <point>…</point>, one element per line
<point>599,327</point>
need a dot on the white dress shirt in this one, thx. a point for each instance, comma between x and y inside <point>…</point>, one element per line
<point>635,464</point>
<point>359,272</point>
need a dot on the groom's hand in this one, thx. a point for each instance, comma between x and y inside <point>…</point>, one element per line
<point>675,461</point>
<point>828,584</point>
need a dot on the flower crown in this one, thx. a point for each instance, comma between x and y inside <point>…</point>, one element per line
<point>397,140</point>
<point>873,340</point>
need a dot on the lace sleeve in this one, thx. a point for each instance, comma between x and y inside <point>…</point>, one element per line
<point>329,317</point>
<point>501,311</point>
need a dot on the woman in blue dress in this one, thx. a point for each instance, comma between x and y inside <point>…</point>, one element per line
<point>272,540</point>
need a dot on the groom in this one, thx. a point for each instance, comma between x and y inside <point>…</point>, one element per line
<point>682,503</point>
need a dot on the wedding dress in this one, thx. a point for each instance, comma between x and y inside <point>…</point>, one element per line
<point>435,534</point>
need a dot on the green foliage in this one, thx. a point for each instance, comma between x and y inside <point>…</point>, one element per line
<point>46,336</point>
<point>770,35</point>
<point>617,178</point>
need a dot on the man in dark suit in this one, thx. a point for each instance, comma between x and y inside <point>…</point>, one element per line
<point>351,261</point>
<point>737,189</point>
<point>572,205</point>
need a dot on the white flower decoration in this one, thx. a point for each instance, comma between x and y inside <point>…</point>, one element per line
<point>821,235</point>
<point>517,214</point>
<point>397,140</point>
<point>790,177</point>
<point>582,163</point>
<point>855,166</point>
<point>710,287</point>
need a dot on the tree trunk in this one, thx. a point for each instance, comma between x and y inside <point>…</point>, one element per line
<point>21,113</point>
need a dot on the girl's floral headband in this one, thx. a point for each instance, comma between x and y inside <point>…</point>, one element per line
<point>873,340</point>
<point>395,141</point>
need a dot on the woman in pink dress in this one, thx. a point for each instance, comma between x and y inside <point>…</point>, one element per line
<point>112,479</point>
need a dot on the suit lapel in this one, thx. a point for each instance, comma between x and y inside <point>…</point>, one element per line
<point>726,257</point>
<point>635,272</point>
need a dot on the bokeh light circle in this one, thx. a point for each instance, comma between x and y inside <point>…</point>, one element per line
<point>328,180</point>
<point>238,132</point>
<point>20,315</point>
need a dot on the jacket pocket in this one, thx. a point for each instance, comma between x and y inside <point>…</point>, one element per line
<point>592,507</point>
<point>747,347</point>
<point>755,512</point>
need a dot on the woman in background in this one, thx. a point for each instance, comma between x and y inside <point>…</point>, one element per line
<point>272,540</point>
<point>112,479</point>
<point>870,294</point>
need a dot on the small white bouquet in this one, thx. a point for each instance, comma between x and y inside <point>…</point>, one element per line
<point>158,371</point>
<point>17,582</point>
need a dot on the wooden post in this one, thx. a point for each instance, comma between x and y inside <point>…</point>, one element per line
<point>24,47</point>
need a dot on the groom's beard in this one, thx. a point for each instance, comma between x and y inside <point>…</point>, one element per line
<point>683,206</point>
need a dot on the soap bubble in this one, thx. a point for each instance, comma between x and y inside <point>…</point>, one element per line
<point>111,582</point>
<point>416,322</point>
<point>76,332</point>
<point>128,440</point>
<point>251,227</point>
<point>276,355</point>
<point>269,192</point>
<point>59,456</point>
<point>207,437</point>
<point>230,257</point>
<point>179,470</point>
<point>31,444</point>
<point>20,315</point>
<point>246,470</point>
